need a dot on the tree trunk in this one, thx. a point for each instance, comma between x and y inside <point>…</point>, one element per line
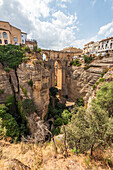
<point>66,153</point>
<point>92,150</point>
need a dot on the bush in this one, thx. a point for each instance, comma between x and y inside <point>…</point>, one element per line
<point>27,49</point>
<point>11,126</point>
<point>75,63</point>
<point>28,106</point>
<point>25,59</point>
<point>104,72</point>
<point>86,67</point>
<point>30,83</point>
<point>88,59</point>
<point>102,80</point>
<point>2,130</point>
<point>1,91</point>
<point>94,87</point>
<point>55,131</point>
<point>35,48</point>
<point>39,50</point>
<point>58,122</point>
<point>66,116</point>
<point>24,91</point>
<point>7,69</point>
<point>10,56</point>
<point>53,91</point>
<point>80,101</point>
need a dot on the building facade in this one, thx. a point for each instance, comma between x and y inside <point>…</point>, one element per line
<point>11,35</point>
<point>106,45</point>
<point>101,47</point>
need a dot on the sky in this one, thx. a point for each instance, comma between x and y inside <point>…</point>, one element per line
<point>57,24</point>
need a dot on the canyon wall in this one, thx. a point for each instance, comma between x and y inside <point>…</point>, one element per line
<point>16,83</point>
<point>80,81</point>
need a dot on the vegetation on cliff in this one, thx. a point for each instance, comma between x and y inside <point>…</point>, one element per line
<point>94,126</point>
<point>11,55</point>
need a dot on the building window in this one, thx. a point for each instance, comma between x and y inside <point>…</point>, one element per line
<point>0,41</point>
<point>4,35</point>
<point>15,39</point>
<point>5,41</point>
<point>0,35</point>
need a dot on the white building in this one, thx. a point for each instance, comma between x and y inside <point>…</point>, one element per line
<point>105,45</point>
<point>23,37</point>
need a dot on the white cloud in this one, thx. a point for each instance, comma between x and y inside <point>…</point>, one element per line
<point>52,29</point>
<point>1,2</point>
<point>106,30</point>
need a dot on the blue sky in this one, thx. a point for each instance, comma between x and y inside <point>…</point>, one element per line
<point>57,24</point>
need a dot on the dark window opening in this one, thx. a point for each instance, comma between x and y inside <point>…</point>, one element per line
<point>4,35</point>
<point>5,41</point>
<point>0,41</point>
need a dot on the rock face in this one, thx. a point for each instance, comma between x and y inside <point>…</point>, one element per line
<point>80,81</point>
<point>16,83</point>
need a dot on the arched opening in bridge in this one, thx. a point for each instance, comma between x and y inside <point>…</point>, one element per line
<point>45,56</point>
<point>58,74</point>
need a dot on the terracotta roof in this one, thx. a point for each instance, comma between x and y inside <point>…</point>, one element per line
<point>106,39</point>
<point>92,42</point>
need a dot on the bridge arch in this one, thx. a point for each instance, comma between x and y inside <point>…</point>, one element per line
<point>45,56</point>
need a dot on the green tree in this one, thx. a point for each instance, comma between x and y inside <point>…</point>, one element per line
<point>104,97</point>
<point>100,126</point>
<point>76,131</point>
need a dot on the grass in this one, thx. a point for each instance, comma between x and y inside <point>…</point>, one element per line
<point>41,157</point>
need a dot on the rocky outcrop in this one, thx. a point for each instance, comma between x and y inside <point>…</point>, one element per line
<point>80,81</point>
<point>16,82</point>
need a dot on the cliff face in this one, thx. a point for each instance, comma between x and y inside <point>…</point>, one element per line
<point>80,81</point>
<point>16,82</point>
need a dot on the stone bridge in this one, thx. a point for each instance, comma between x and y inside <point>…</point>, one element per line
<point>58,62</point>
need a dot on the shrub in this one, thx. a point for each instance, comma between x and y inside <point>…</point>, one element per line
<point>2,130</point>
<point>58,122</point>
<point>28,106</point>
<point>66,116</point>
<point>75,63</point>
<point>11,126</point>
<point>102,80</point>
<point>25,59</point>
<point>80,101</point>
<point>1,91</point>
<point>55,131</point>
<point>11,55</point>
<point>53,91</point>
<point>94,87</point>
<point>30,83</point>
<point>35,48</point>
<point>86,67</point>
<point>39,50</point>
<point>7,69</point>
<point>27,49</point>
<point>88,59</point>
<point>24,91</point>
<point>104,72</point>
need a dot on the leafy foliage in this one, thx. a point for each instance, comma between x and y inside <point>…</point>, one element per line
<point>95,125</point>
<point>28,106</point>
<point>75,63</point>
<point>30,83</point>
<point>11,55</point>
<point>9,123</point>
<point>88,59</point>
<point>53,91</point>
